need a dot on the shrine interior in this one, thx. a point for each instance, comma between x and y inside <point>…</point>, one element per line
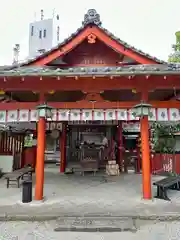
<point>91,134</point>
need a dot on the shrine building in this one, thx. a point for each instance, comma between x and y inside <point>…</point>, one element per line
<point>92,80</point>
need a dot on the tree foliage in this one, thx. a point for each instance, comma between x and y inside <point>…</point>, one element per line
<point>163,138</point>
<point>175,56</point>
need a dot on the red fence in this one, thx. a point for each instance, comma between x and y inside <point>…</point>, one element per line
<point>12,145</point>
<point>165,163</point>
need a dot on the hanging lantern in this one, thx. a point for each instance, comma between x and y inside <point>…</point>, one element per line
<point>141,110</point>
<point>44,111</point>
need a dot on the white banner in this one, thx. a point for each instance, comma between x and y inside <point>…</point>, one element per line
<point>87,115</point>
<point>25,115</point>
<point>75,115</point>
<point>99,115</point>
<point>63,115</point>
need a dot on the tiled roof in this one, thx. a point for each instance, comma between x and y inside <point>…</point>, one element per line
<point>92,18</point>
<point>154,69</point>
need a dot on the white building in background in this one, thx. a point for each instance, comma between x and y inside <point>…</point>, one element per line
<point>43,34</point>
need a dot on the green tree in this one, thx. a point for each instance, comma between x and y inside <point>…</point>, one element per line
<point>162,137</point>
<point>175,56</point>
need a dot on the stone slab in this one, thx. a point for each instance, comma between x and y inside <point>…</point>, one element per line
<point>95,224</point>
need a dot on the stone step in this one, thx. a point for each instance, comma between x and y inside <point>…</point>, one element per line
<point>97,224</point>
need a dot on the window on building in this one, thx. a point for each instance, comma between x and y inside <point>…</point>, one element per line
<point>44,33</point>
<point>40,34</point>
<point>32,30</point>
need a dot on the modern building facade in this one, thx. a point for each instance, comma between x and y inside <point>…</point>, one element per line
<point>43,35</point>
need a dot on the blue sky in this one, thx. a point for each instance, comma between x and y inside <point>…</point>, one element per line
<point>149,25</point>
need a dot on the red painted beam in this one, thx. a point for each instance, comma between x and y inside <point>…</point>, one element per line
<point>88,84</point>
<point>67,84</point>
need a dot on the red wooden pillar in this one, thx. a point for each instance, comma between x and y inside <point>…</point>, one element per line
<point>146,166</point>
<point>120,146</point>
<point>63,148</point>
<point>41,127</point>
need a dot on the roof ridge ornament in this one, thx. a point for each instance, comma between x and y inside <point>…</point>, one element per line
<point>91,17</point>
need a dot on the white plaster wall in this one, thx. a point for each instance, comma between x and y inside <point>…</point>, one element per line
<point>56,23</point>
<point>6,163</point>
<point>36,43</point>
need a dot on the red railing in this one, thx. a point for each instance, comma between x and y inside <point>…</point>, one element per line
<point>165,163</point>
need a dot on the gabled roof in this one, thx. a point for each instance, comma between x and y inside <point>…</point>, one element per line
<point>92,18</point>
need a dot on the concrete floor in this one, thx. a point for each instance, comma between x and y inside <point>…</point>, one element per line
<point>75,195</point>
<point>80,188</point>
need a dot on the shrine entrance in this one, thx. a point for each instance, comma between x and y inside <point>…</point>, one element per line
<point>131,153</point>
<point>131,147</point>
<point>85,143</point>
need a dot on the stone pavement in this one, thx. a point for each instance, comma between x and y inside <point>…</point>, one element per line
<point>55,211</point>
<point>75,195</point>
<point>45,230</point>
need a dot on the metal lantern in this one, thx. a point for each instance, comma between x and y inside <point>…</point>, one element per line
<point>142,109</point>
<point>44,111</point>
